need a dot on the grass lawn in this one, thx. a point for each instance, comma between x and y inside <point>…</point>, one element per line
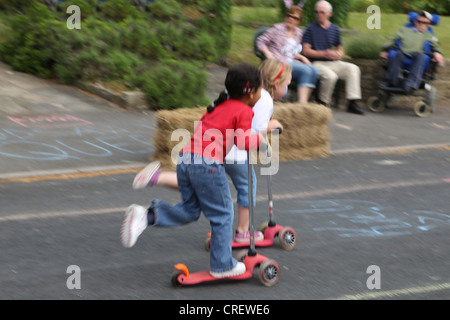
<point>391,22</point>
<point>248,19</point>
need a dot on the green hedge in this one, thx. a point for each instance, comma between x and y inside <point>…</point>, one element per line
<point>165,47</point>
<point>441,7</point>
<point>364,46</point>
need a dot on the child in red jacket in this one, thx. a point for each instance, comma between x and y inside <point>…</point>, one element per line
<point>201,174</point>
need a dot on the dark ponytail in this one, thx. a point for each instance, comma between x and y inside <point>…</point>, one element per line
<point>223,96</point>
<point>241,79</point>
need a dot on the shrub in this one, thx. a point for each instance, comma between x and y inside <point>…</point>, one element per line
<point>15,4</point>
<point>175,84</point>
<point>161,51</point>
<point>118,10</point>
<point>87,7</point>
<point>364,46</point>
<point>254,3</point>
<point>27,48</point>
<point>360,5</point>
<point>124,64</point>
<point>165,10</point>
<point>138,37</point>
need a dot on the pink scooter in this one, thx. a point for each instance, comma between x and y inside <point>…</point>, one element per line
<point>268,271</point>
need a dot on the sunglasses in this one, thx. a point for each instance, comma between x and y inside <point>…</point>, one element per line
<point>293,17</point>
<point>423,22</point>
<point>321,12</point>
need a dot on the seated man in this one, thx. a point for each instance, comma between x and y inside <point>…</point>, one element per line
<point>412,47</point>
<point>322,44</point>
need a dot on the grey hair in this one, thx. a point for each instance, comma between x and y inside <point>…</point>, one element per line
<point>326,3</point>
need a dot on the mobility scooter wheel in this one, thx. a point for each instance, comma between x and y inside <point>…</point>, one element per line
<point>375,104</point>
<point>422,109</point>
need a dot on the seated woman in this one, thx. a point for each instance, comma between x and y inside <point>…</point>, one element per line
<point>283,42</point>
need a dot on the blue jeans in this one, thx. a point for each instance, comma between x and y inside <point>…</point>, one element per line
<point>305,75</point>
<point>416,69</point>
<point>238,173</point>
<point>204,187</point>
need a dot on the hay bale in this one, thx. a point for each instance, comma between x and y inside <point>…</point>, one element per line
<point>306,134</point>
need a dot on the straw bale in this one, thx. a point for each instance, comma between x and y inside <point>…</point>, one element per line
<point>306,133</point>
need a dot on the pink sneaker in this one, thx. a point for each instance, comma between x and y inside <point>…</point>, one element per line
<point>147,176</point>
<point>243,237</point>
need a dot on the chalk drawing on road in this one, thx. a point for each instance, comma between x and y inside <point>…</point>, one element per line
<point>359,218</point>
<point>60,137</point>
<point>49,121</point>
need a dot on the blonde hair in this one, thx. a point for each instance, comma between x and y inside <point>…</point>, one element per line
<point>270,72</point>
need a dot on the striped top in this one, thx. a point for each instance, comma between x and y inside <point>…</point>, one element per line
<point>322,39</point>
<point>278,42</point>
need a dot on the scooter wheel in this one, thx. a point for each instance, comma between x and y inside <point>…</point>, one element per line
<point>269,273</point>
<point>174,280</point>
<point>208,244</point>
<point>288,238</point>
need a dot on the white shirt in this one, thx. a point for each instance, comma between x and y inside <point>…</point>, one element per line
<point>263,111</point>
<point>291,49</point>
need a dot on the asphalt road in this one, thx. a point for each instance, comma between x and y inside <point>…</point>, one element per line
<point>68,159</point>
<point>350,212</point>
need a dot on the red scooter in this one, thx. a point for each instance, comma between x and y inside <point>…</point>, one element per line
<point>268,272</point>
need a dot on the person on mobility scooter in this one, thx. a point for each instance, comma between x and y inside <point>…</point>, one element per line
<point>412,55</point>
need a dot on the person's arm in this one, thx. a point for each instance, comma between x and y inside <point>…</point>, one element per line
<point>264,40</point>
<point>437,55</point>
<point>439,58</point>
<point>307,49</point>
<point>243,137</point>
<point>311,53</point>
<point>302,59</point>
<point>391,44</point>
<point>274,124</point>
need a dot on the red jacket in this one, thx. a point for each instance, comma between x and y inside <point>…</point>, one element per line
<point>230,123</point>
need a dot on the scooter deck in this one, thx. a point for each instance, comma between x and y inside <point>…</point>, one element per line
<point>269,236</point>
<point>205,276</point>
